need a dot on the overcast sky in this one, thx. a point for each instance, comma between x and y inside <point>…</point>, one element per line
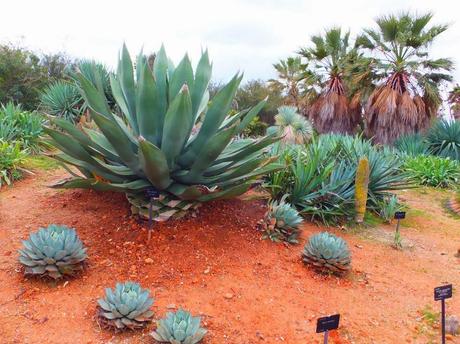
<point>240,35</point>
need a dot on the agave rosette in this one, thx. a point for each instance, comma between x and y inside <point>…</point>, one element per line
<point>168,135</point>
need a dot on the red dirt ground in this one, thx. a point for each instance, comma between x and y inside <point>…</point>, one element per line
<point>197,261</point>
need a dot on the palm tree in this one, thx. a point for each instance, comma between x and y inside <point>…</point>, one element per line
<point>329,57</point>
<point>290,74</point>
<point>454,101</point>
<point>406,95</point>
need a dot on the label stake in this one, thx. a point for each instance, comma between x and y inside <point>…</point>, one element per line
<point>325,324</point>
<point>441,294</point>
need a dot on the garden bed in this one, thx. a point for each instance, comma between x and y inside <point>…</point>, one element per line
<point>247,290</point>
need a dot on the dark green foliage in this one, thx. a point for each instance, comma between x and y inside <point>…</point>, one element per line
<point>433,171</point>
<point>21,126</point>
<point>11,157</point>
<point>24,74</point>
<point>444,139</point>
<point>319,178</point>
<point>412,145</point>
<point>254,91</point>
<point>55,251</point>
<point>63,99</point>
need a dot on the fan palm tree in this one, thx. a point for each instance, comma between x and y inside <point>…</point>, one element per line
<point>330,55</point>
<point>406,94</point>
<point>290,73</point>
<point>454,101</point>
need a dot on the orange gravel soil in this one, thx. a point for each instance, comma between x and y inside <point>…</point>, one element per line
<point>247,290</point>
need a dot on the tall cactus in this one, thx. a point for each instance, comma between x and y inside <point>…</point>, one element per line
<point>361,188</point>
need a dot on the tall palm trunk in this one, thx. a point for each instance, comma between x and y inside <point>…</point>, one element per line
<point>333,112</point>
<point>391,111</point>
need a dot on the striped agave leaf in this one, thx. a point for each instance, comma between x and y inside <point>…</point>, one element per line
<point>168,136</point>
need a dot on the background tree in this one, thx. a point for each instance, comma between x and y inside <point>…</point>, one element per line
<point>290,73</point>
<point>328,57</point>
<point>406,95</point>
<point>454,102</point>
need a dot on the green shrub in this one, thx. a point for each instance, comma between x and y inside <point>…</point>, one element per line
<point>388,207</point>
<point>21,126</point>
<point>319,178</point>
<point>412,145</point>
<point>444,139</point>
<point>433,171</point>
<point>11,156</point>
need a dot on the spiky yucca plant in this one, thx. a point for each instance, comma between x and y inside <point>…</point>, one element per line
<point>179,328</point>
<point>127,306</point>
<point>62,99</point>
<point>444,139</point>
<point>332,111</point>
<point>281,222</point>
<point>327,253</point>
<point>408,98</point>
<point>169,137</point>
<point>294,128</point>
<point>54,251</point>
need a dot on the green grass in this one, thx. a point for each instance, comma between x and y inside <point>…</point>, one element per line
<point>40,162</point>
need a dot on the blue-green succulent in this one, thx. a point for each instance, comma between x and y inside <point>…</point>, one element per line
<point>125,307</point>
<point>54,251</point>
<point>179,328</point>
<point>328,253</point>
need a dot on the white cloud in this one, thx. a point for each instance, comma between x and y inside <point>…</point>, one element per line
<point>240,35</point>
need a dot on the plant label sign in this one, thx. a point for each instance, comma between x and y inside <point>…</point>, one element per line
<point>443,292</point>
<point>399,215</point>
<point>328,323</point>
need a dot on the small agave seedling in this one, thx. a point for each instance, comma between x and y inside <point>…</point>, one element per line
<point>125,307</point>
<point>327,253</point>
<point>281,222</point>
<point>179,328</point>
<point>55,251</point>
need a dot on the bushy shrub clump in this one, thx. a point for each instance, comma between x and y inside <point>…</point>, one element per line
<point>433,171</point>
<point>11,156</point>
<point>17,125</point>
<point>320,177</point>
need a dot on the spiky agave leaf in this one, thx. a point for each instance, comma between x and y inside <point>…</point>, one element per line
<point>327,253</point>
<point>153,144</point>
<point>127,306</point>
<point>54,251</point>
<point>179,327</point>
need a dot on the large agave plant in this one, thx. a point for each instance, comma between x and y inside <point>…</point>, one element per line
<point>327,252</point>
<point>169,137</point>
<point>179,328</point>
<point>125,307</point>
<point>55,251</point>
